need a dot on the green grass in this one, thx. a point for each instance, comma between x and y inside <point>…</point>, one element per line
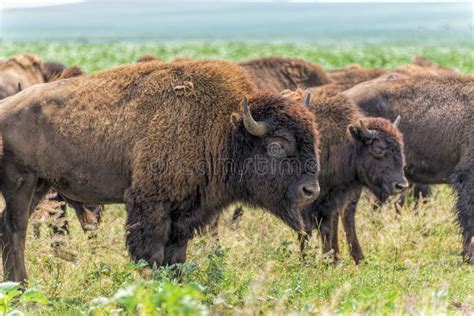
<point>412,261</point>
<point>96,57</point>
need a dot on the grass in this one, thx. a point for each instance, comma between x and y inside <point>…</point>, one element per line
<point>412,261</point>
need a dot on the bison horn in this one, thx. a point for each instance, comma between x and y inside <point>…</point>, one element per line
<point>397,121</point>
<point>307,98</point>
<point>367,133</point>
<point>253,127</point>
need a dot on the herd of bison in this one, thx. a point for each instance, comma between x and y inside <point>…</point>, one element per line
<point>178,142</point>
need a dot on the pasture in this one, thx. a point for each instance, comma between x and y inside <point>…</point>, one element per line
<point>412,263</point>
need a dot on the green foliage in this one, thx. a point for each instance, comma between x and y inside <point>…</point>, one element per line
<point>11,294</point>
<point>94,57</point>
<point>150,298</point>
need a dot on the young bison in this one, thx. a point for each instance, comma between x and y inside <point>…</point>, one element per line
<point>355,152</point>
<point>438,127</point>
<point>175,156</point>
<point>275,74</point>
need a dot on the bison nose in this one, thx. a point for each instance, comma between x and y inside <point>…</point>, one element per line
<point>400,186</point>
<point>309,192</point>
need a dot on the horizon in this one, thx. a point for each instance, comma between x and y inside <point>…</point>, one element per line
<point>302,21</point>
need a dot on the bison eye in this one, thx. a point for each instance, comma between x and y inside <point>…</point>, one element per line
<point>276,149</point>
<point>378,152</point>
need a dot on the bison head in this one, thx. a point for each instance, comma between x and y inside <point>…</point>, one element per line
<point>52,70</point>
<point>275,156</point>
<point>379,155</point>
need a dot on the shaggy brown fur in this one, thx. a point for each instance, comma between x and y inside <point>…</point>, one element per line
<point>274,74</point>
<point>173,155</point>
<point>70,72</point>
<point>52,70</point>
<point>438,126</point>
<point>354,74</point>
<point>351,75</point>
<point>350,160</point>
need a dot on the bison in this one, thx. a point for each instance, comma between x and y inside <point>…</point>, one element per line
<point>174,156</point>
<point>438,128</point>
<point>355,152</point>
<point>275,74</point>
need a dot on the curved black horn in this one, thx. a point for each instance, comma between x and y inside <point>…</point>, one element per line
<point>253,127</point>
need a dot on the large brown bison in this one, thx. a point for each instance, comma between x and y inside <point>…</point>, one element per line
<point>174,142</point>
<point>438,126</point>
<point>355,152</point>
<point>275,74</point>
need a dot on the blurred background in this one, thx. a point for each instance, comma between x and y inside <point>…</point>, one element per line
<point>330,22</point>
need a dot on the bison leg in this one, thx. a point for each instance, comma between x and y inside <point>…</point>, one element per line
<point>325,232</point>
<point>348,221</point>
<point>214,229</point>
<point>464,186</point>
<point>18,188</point>
<point>41,190</point>
<point>303,240</point>
<point>421,192</point>
<point>238,212</point>
<point>89,216</point>
<point>335,233</point>
<point>148,228</point>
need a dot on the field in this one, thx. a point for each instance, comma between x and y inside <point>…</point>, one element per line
<point>412,266</point>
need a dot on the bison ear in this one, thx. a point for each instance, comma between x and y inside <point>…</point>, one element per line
<point>358,134</point>
<point>235,119</point>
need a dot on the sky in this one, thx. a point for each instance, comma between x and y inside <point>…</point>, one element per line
<point>12,4</point>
